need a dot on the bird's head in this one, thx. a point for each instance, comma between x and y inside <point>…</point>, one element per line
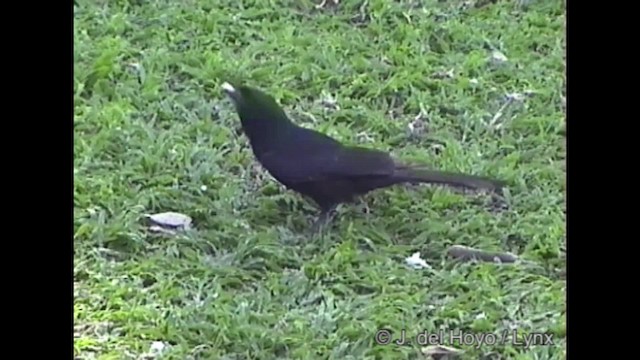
<point>253,104</point>
<point>259,112</point>
<point>239,94</point>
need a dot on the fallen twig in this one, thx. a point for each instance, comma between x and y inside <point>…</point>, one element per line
<point>466,253</point>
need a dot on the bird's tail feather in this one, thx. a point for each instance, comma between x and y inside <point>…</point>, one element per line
<point>422,175</point>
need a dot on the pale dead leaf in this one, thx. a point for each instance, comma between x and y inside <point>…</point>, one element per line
<point>467,253</point>
<point>170,220</point>
<point>440,352</point>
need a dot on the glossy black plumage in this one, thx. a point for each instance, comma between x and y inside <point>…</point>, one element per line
<point>318,166</point>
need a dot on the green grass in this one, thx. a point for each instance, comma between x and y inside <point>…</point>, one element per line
<point>248,282</point>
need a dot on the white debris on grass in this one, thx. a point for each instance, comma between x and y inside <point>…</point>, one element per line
<point>156,349</point>
<point>139,71</point>
<point>416,262</point>
<point>498,57</point>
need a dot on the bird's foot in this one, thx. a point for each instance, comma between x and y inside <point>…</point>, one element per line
<point>323,221</point>
<point>364,207</point>
<point>317,228</point>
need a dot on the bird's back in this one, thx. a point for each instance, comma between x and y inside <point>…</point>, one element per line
<point>320,167</point>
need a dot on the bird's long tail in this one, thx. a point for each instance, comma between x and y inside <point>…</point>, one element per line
<point>421,175</point>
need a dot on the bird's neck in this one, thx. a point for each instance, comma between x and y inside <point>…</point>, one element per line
<point>268,135</point>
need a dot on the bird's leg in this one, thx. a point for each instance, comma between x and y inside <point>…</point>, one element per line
<point>327,214</point>
<point>364,206</point>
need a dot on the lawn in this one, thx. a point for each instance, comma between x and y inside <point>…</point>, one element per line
<point>467,86</point>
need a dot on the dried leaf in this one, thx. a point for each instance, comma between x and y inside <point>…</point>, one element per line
<point>466,253</point>
<point>440,351</point>
<point>171,220</point>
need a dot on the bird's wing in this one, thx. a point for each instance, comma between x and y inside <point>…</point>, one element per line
<point>316,163</point>
<point>357,161</point>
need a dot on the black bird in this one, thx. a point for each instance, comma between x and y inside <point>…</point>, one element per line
<point>316,165</point>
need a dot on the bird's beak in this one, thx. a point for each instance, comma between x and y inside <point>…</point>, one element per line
<point>231,91</point>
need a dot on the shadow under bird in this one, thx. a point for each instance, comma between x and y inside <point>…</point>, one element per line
<point>321,168</point>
